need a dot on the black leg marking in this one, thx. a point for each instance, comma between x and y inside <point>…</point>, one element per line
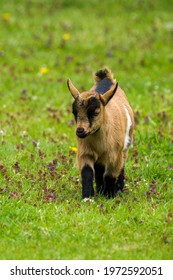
<point>109,186</point>
<point>99,171</point>
<point>120,182</point>
<point>87,181</point>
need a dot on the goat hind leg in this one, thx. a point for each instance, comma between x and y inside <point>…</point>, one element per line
<point>119,185</point>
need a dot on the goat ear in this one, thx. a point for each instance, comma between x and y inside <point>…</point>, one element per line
<point>72,89</point>
<point>109,94</point>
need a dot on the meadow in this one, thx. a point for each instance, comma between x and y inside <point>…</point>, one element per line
<point>42,44</point>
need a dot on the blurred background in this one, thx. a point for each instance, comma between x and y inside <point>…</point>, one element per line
<point>61,38</point>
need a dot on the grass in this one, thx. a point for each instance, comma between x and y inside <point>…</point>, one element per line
<point>42,215</point>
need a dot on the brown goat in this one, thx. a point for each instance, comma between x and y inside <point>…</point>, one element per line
<point>104,129</point>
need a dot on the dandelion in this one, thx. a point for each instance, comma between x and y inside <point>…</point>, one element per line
<point>6,16</point>
<point>66,36</point>
<point>74,149</point>
<point>43,70</point>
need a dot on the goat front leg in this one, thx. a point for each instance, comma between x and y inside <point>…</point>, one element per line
<point>109,185</point>
<point>87,181</point>
<point>87,176</point>
<point>99,171</point>
<point>114,177</point>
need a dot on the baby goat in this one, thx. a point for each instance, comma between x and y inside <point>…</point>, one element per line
<point>104,129</point>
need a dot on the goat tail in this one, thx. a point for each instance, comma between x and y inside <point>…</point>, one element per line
<point>104,73</point>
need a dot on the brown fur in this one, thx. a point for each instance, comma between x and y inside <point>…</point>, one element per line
<point>106,136</point>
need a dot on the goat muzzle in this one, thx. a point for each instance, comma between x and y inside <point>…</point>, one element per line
<point>81,133</point>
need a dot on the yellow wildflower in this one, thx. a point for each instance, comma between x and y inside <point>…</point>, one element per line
<point>43,70</point>
<point>5,16</point>
<point>66,36</point>
<point>74,149</point>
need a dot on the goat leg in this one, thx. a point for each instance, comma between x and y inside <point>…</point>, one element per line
<point>109,185</point>
<point>99,171</point>
<point>87,181</point>
<point>119,185</point>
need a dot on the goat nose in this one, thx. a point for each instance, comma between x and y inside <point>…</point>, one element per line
<point>80,130</point>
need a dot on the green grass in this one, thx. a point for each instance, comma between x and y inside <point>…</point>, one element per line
<point>42,215</point>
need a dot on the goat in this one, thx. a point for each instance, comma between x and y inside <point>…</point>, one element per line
<point>104,129</point>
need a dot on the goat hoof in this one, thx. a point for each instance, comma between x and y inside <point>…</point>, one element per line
<point>87,199</point>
